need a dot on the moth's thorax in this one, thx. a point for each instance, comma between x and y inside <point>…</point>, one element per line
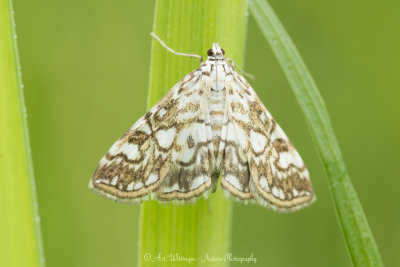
<point>218,76</point>
<point>218,70</point>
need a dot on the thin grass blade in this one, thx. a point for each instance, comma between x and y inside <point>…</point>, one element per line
<point>20,236</point>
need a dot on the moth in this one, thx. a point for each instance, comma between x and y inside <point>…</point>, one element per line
<point>211,125</point>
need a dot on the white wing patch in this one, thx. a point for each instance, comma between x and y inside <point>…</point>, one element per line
<point>258,141</point>
<point>166,137</point>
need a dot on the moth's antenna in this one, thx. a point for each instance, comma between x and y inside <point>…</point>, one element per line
<point>248,75</point>
<point>173,51</point>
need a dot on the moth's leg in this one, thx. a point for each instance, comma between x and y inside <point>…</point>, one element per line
<point>232,63</point>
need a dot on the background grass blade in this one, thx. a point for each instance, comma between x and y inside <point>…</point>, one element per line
<point>190,26</point>
<point>360,241</point>
<point>20,237</point>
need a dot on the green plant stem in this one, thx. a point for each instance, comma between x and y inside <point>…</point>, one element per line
<point>189,26</point>
<point>360,241</point>
<point>20,237</point>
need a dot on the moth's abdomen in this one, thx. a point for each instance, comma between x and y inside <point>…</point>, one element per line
<point>216,106</point>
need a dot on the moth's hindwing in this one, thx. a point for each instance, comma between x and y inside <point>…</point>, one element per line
<point>166,154</point>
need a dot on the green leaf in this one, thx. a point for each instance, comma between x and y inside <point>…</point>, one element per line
<point>189,26</point>
<point>20,237</point>
<point>360,241</point>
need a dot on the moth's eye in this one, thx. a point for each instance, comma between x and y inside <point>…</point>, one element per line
<point>223,51</point>
<point>210,52</point>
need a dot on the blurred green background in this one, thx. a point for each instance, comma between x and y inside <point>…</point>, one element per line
<point>85,67</point>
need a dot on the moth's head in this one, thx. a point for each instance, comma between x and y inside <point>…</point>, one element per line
<point>216,52</point>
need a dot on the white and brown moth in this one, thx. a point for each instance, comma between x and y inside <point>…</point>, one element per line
<point>210,124</point>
